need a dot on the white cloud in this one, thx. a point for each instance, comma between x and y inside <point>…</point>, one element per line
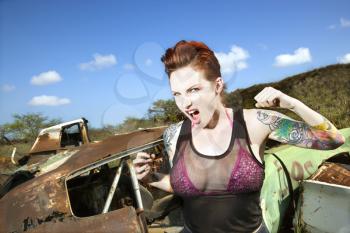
<point>99,62</point>
<point>300,56</point>
<point>46,78</point>
<point>344,59</point>
<point>47,100</point>
<point>148,62</point>
<point>233,61</point>
<point>7,88</point>
<point>344,22</point>
<point>129,67</point>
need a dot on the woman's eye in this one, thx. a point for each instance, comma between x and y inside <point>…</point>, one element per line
<point>193,90</point>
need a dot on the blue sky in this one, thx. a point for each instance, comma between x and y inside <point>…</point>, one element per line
<point>101,59</point>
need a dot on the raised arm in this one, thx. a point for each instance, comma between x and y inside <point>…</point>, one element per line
<point>316,132</point>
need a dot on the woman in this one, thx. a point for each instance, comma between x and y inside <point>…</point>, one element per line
<point>216,154</point>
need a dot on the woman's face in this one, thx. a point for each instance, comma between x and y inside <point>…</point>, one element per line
<point>194,95</point>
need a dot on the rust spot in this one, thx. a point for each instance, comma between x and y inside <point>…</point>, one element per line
<point>333,173</point>
<point>30,223</point>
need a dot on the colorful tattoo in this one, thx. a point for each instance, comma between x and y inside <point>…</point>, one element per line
<point>323,137</point>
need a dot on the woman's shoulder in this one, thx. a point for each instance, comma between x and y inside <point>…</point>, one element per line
<point>172,132</point>
<point>170,137</point>
<point>254,119</point>
<point>252,116</point>
<point>249,112</point>
<point>258,114</point>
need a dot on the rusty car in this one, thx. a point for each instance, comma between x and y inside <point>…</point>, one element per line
<point>48,151</point>
<point>90,188</point>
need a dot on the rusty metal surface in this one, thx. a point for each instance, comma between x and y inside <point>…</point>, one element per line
<point>34,199</point>
<point>118,221</point>
<point>46,142</point>
<point>115,144</point>
<point>34,205</point>
<point>124,220</point>
<point>84,133</point>
<point>42,205</point>
<point>333,173</point>
<point>40,158</point>
<point>49,139</point>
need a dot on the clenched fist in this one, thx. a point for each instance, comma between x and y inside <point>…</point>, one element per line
<point>142,164</point>
<point>271,97</point>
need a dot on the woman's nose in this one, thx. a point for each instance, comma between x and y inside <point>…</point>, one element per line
<point>186,102</point>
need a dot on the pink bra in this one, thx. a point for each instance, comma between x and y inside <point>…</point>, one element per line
<point>235,171</point>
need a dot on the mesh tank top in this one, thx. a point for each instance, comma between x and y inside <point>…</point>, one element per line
<point>220,193</point>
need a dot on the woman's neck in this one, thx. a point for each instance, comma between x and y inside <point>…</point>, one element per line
<point>219,115</point>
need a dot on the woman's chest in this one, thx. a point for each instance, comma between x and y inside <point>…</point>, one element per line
<point>215,143</point>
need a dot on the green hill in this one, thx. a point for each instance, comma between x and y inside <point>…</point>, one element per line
<point>326,90</point>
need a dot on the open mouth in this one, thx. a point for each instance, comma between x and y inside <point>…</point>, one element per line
<point>194,115</point>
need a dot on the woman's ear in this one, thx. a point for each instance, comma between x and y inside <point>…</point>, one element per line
<point>219,85</point>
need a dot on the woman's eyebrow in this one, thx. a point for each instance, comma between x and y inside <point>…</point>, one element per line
<point>194,85</point>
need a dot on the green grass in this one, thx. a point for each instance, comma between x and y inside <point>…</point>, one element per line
<point>22,149</point>
<point>5,155</point>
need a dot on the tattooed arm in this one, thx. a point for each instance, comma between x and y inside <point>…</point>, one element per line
<point>286,130</point>
<point>316,132</point>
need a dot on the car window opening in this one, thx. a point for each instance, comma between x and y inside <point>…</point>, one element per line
<point>88,192</point>
<point>71,136</point>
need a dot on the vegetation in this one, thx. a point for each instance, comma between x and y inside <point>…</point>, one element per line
<point>96,134</point>
<point>26,127</point>
<point>325,90</point>
<point>162,112</point>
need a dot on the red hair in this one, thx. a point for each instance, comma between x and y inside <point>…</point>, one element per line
<point>193,53</point>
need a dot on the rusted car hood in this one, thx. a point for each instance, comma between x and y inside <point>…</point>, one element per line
<point>30,204</point>
<point>113,145</point>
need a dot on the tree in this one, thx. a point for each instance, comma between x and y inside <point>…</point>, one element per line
<point>26,127</point>
<point>165,111</point>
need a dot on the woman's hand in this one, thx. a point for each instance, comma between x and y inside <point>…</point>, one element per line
<point>142,164</point>
<point>271,97</point>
